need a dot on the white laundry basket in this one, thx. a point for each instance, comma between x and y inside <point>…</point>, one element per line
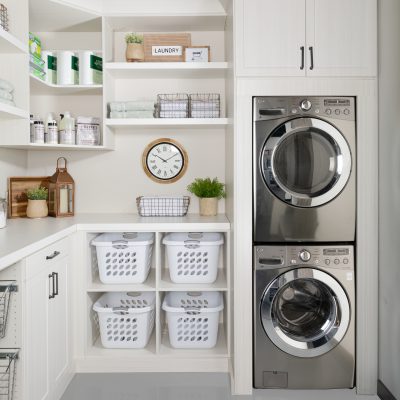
<point>193,257</point>
<point>193,318</point>
<point>126,319</point>
<point>124,257</point>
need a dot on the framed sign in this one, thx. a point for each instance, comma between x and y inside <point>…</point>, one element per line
<point>165,47</point>
<point>197,54</point>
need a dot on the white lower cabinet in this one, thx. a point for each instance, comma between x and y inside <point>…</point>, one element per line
<point>47,363</point>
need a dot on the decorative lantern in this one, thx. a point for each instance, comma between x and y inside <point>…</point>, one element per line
<point>61,192</point>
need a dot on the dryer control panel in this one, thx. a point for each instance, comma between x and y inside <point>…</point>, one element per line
<point>272,257</point>
<point>267,108</point>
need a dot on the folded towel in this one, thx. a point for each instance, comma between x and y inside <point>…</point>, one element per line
<point>8,102</point>
<point>204,114</point>
<point>132,114</point>
<point>173,114</point>
<point>181,105</point>
<point>205,105</point>
<point>7,86</point>
<point>6,95</point>
<point>136,105</point>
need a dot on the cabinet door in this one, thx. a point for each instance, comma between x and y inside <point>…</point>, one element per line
<point>270,37</point>
<point>343,37</point>
<point>59,324</point>
<point>37,318</point>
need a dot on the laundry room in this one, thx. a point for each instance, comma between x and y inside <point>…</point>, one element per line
<point>198,199</point>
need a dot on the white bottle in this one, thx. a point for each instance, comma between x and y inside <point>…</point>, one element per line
<point>51,137</point>
<point>50,118</point>
<point>67,129</point>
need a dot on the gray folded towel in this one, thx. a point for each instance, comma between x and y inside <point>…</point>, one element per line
<point>136,105</point>
<point>132,114</point>
<point>7,86</point>
<point>6,95</point>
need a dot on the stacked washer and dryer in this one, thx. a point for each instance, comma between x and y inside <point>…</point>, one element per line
<point>304,218</point>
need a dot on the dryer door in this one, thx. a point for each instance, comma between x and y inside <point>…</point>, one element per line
<point>305,312</point>
<point>306,162</point>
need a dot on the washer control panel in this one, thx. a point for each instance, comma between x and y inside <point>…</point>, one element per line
<point>318,256</point>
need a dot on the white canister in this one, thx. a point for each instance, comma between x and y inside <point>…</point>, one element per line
<point>50,66</point>
<point>3,213</point>
<point>67,68</point>
<point>90,68</point>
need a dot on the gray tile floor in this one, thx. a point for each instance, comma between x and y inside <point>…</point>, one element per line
<point>187,386</point>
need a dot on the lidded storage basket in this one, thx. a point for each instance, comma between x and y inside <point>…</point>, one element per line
<point>193,257</point>
<point>193,318</point>
<point>124,257</point>
<point>126,319</point>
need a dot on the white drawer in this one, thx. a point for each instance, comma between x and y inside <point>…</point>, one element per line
<point>46,256</point>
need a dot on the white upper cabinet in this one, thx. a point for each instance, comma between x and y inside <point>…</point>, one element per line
<point>325,38</point>
<point>270,37</point>
<point>343,37</point>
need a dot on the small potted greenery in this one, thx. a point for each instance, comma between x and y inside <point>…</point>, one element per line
<point>134,47</point>
<point>37,203</point>
<point>209,192</point>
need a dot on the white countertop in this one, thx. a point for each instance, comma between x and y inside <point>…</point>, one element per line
<point>24,236</point>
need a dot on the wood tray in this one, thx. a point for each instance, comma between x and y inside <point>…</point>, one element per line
<point>165,39</point>
<point>17,187</point>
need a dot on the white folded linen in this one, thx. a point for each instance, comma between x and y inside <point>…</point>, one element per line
<point>132,114</point>
<point>7,86</point>
<point>136,105</point>
<point>6,95</point>
<point>204,114</point>
<point>173,114</point>
<point>179,105</point>
<point>8,102</point>
<point>204,105</point>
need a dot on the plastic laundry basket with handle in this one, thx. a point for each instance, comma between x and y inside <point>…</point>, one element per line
<point>193,257</point>
<point>126,319</point>
<point>124,257</point>
<point>193,318</point>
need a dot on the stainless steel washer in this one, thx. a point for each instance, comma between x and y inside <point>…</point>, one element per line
<point>304,169</point>
<point>304,302</point>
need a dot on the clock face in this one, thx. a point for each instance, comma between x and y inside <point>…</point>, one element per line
<point>165,161</point>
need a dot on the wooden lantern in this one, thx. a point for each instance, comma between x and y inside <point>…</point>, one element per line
<point>61,192</point>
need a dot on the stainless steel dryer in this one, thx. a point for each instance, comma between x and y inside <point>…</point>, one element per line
<point>304,169</point>
<point>304,302</point>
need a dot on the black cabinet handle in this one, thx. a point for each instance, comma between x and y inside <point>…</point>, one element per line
<point>54,255</point>
<point>311,57</point>
<point>51,286</point>
<point>56,286</point>
<point>302,57</point>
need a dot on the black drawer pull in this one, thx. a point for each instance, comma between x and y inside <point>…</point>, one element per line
<point>54,255</point>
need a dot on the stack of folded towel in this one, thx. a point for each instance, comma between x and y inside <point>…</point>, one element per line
<point>131,109</point>
<point>6,92</point>
<point>205,105</point>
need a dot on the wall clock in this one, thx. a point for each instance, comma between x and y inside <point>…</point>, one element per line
<point>165,160</point>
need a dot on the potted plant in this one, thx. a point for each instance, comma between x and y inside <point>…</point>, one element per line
<point>134,47</point>
<point>209,192</point>
<point>37,203</point>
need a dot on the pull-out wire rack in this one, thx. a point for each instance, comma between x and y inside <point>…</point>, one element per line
<point>8,358</point>
<point>7,288</point>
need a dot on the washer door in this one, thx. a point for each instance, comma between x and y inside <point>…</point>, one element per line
<point>305,312</point>
<point>306,162</point>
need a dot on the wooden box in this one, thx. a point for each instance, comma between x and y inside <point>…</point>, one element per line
<point>163,44</point>
<point>17,188</point>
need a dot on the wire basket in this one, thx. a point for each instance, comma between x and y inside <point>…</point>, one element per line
<point>172,105</point>
<point>205,105</point>
<point>8,359</point>
<point>3,17</point>
<point>6,290</point>
<point>163,206</point>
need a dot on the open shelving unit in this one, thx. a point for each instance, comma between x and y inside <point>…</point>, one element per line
<point>11,112</point>
<point>174,122</point>
<point>9,44</point>
<point>158,354</point>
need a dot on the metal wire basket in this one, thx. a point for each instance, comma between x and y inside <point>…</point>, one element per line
<point>163,206</point>
<point>8,359</point>
<point>3,17</point>
<point>6,290</point>
<point>172,105</point>
<point>205,105</point>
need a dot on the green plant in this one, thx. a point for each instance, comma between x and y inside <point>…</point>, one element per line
<point>207,188</point>
<point>39,193</point>
<point>133,38</point>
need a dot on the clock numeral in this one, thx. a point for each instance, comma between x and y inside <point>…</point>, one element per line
<point>171,171</point>
<point>164,148</point>
<point>154,167</point>
<point>159,172</point>
<point>176,167</point>
<point>158,150</point>
<point>165,173</point>
<point>152,161</point>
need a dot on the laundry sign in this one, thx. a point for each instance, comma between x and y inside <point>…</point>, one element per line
<point>166,51</point>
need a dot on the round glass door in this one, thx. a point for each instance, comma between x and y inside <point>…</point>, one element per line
<point>305,312</point>
<point>306,162</point>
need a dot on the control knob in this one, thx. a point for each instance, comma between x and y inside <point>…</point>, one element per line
<point>305,255</point>
<point>306,105</point>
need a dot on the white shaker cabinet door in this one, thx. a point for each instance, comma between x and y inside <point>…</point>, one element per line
<point>270,37</point>
<point>37,355</point>
<point>342,34</point>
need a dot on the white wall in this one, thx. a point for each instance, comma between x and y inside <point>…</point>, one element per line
<point>12,163</point>
<point>389,174</point>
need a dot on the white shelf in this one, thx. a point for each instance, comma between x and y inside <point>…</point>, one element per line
<point>9,44</point>
<point>125,70</point>
<point>34,146</point>
<point>174,122</point>
<point>167,285</point>
<point>39,87</point>
<point>11,112</point>
<point>220,349</point>
<point>148,286</point>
